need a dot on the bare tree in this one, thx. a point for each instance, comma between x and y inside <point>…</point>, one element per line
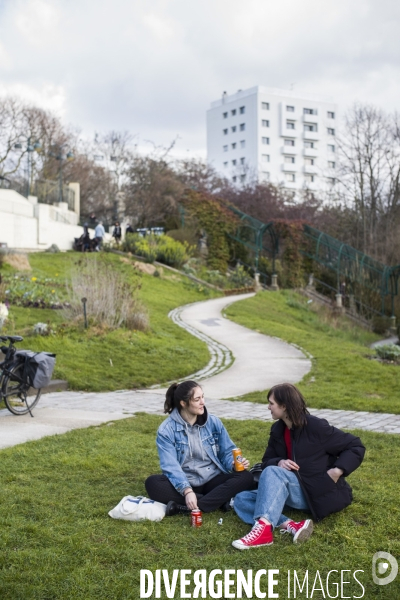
<point>152,191</point>
<point>369,163</point>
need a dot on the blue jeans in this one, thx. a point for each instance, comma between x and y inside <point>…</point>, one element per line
<point>276,487</point>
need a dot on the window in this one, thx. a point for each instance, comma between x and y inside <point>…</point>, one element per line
<point>309,161</point>
<point>234,162</point>
<point>310,127</point>
<point>331,180</point>
<point>242,160</point>
<point>242,143</point>
<point>243,177</point>
<point>233,146</point>
<point>225,148</point>
<point>290,125</point>
<point>331,115</point>
<point>225,131</point>
<point>233,129</point>
<point>331,131</point>
<point>331,147</point>
<point>225,164</point>
<point>310,111</point>
<point>290,108</point>
<point>265,123</point>
<point>289,159</point>
<point>290,177</point>
<point>331,164</point>
<point>242,126</point>
<point>225,115</point>
<point>289,142</point>
<point>233,112</point>
<point>309,145</point>
<point>309,178</point>
<point>265,105</point>
<point>265,157</point>
<point>242,110</point>
<point>265,175</point>
<point>265,141</point>
<point>234,179</point>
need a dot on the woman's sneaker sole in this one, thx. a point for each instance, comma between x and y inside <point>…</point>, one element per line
<point>304,533</point>
<point>237,544</point>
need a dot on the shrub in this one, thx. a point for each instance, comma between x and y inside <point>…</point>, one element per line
<point>380,324</point>
<point>388,352</point>
<point>40,329</point>
<point>158,247</point>
<point>110,301</point>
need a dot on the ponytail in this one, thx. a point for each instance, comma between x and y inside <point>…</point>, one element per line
<point>178,392</point>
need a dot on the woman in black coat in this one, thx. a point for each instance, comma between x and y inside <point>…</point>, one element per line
<point>304,467</point>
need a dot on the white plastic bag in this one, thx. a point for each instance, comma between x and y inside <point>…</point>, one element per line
<point>138,508</point>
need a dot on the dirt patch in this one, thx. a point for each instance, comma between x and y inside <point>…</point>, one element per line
<point>20,262</point>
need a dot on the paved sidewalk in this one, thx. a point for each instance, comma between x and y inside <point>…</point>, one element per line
<point>256,363</point>
<point>260,361</point>
<point>60,412</point>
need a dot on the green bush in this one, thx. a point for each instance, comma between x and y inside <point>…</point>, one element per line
<point>380,324</point>
<point>158,247</point>
<point>388,352</point>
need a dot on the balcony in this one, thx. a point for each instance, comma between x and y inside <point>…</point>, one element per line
<point>310,118</point>
<point>289,167</point>
<point>311,152</point>
<point>291,133</point>
<point>311,185</point>
<point>310,169</point>
<point>288,150</point>
<point>310,135</point>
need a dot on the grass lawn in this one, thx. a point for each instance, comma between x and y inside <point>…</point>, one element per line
<point>57,541</point>
<point>342,375</point>
<point>99,360</point>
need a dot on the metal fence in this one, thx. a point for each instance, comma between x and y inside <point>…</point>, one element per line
<point>48,192</point>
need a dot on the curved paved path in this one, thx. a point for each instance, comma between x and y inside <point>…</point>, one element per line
<point>260,362</point>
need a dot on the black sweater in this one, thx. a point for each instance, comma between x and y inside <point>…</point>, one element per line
<point>316,448</point>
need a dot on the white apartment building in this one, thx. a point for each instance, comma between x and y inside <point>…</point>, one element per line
<point>267,134</point>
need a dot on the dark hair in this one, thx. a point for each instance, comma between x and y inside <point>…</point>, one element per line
<point>286,394</point>
<point>178,392</point>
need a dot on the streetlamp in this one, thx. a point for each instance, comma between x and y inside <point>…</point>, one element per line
<point>59,155</point>
<point>30,147</point>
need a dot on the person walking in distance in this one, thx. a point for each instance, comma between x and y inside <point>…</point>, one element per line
<point>99,234</point>
<point>196,458</point>
<point>304,467</point>
<point>117,232</point>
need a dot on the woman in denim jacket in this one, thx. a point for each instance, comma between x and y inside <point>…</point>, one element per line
<point>195,453</point>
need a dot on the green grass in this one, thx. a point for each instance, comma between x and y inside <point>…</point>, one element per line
<point>57,541</point>
<point>99,360</point>
<point>342,374</point>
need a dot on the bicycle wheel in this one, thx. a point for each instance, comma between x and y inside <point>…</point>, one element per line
<point>15,392</point>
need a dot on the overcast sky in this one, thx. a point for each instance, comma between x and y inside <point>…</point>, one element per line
<point>153,66</point>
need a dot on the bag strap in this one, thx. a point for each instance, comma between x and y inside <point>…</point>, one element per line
<point>133,505</point>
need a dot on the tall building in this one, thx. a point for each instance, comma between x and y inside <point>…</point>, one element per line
<point>267,134</point>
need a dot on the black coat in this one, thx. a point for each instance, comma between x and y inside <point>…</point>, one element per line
<point>316,448</point>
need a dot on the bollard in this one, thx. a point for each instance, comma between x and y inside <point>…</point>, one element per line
<point>84,300</point>
<point>274,283</point>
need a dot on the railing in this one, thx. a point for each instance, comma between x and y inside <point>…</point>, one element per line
<point>48,192</point>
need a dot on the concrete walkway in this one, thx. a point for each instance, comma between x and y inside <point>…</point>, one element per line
<point>259,363</point>
<point>256,363</point>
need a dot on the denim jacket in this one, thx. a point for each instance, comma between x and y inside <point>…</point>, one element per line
<point>173,446</point>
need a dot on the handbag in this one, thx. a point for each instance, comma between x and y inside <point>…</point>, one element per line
<point>138,508</point>
<point>256,470</point>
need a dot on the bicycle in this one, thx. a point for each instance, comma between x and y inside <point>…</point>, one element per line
<point>14,380</point>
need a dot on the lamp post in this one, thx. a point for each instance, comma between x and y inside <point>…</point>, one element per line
<point>30,147</point>
<point>59,155</point>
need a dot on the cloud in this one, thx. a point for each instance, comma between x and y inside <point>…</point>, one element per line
<point>154,67</point>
